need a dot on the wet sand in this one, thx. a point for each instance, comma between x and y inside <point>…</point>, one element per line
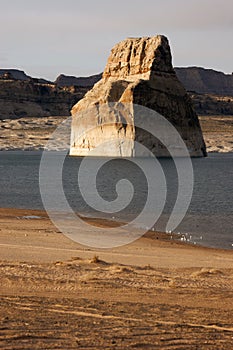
<point>153,293</point>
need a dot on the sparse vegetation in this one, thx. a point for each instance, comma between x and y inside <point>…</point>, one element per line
<point>95,259</point>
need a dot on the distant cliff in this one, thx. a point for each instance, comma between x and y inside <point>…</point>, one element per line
<point>206,81</point>
<point>65,80</point>
<point>194,79</point>
<point>26,98</point>
<point>22,95</point>
<point>13,74</point>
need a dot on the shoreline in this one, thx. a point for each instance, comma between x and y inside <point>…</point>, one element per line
<point>151,293</point>
<point>170,238</point>
<point>41,150</point>
<point>32,134</point>
<point>33,217</point>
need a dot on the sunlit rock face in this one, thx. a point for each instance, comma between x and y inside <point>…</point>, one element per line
<point>139,71</point>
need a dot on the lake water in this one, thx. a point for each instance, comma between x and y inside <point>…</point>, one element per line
<point>209,220</point>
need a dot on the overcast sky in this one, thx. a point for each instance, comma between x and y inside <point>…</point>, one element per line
<point>49,37</point>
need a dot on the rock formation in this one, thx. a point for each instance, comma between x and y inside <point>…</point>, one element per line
<point>206,81</point>
<point>208,104</point>
<point>139,71</point>
<point>65,80</point>
<point>15,74</point>
<point>24,96</point>
<point>30,99</point>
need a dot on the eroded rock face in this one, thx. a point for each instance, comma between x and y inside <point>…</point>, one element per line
<point>15,74</point>
<point>206,81</point>
<point>138,72</point>
<point>65,80</point>
<point>20,99</point>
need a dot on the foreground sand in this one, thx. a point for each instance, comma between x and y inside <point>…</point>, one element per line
<point>154,293</point>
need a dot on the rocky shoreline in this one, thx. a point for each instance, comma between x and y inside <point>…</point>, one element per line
<point>32,134</point>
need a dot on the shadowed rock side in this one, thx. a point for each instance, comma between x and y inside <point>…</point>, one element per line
<point>22,96</point>
<point>139,71</point>
<point>19,99</point>
<point>64,80</point>
<point>206,81</point>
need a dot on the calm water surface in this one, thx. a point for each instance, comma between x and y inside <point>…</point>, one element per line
<point>209,220</point>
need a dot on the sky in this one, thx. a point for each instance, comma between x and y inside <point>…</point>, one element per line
<point>48,37</point>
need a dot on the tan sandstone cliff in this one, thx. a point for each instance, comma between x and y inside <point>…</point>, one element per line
<point>139,71</point>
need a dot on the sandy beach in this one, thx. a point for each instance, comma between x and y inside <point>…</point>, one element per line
<point>153,293</point>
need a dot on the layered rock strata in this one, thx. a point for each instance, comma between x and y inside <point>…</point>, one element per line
<point>139,71</point>
<point>206,81</point>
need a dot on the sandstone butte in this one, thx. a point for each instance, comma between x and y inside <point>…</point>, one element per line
<point>139,71</point>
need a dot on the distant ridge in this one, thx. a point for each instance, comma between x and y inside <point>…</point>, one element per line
<point>206,81</point>
<point>14,73</point>
<point>21,95</point>
<point>194,79</point>
<point>65,80</point>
